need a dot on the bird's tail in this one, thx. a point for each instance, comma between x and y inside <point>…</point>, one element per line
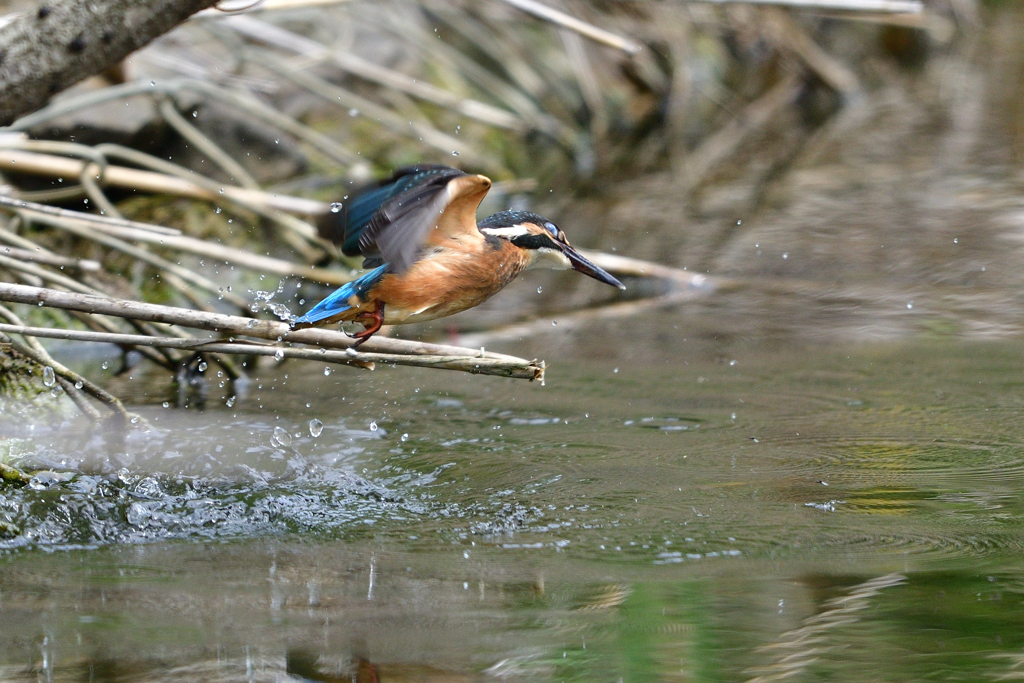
<point>340,301</point>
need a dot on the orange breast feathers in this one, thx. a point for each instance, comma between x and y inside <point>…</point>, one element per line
<point>455,274</point>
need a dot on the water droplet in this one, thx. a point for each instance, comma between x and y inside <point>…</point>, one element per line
<point>221,190</point>
<point>554,323</point>
<point>195,114</point>
<point>279,356</point>
<point>218,210</point>
<point>785,255</point>
<point>739,222</point>
<point>335,207</point>
<point>152,83</point>
<point>315,427</point>
<point>165,404</point>
<point>79,384</point>
<point>353,112</point>
<point>405,437</point>
<point>48,377</point>
<point>251,324</point>
<point>373,426</point>
<point>230,402</point>
<point>732,363</point>
<point>327,372</point>
<point>615,371</point>
<point>135,419</point>
<point>910,304</point>
<point>104,365</point>
<point>956,240</point>
<point>351,352</point>
<point>540,289</point>
<point>454,153</point>
<point>281,437</point>
<point>732,417</point>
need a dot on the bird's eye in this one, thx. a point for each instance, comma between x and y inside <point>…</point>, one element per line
<point>552,228</point>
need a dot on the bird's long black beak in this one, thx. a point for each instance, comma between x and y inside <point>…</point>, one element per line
<point>587,268</point>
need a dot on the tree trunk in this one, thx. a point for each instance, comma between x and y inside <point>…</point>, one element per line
<point>63,41</point>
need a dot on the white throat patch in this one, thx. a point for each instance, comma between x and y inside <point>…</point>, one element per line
<point>549,258</point>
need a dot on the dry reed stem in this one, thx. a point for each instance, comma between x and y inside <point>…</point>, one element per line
<point>720,145</point>
<point>790,35</point>
<point>242,103</point>
<point>537,9</point>
<point>417,130</point>
<point>84,265</point>
<point>205,145</point>
<point>161,264</point>
<point>53,212</point>
<point>567,321</point>
<point>221,11</point>
<point>493,85</point>
<point>885,6</point>
<point>212,250</point>
<point>293,42</point>
<point>263,329</point>
<point>633,267</point>
<point>45,275</point>
<point>149,181</point>
<point>299,227</point>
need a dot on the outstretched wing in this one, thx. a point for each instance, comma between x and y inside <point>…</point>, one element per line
<point>390,222</point>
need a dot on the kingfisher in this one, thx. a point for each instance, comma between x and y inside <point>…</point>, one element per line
<point>429,258</point>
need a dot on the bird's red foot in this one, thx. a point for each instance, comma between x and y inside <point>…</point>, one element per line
<point>376,319</point>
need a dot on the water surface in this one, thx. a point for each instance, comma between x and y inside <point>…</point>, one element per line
<point>738,509</point>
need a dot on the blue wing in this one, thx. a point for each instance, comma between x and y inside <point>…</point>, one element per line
<point>338,302</point>
<point>387,223</point>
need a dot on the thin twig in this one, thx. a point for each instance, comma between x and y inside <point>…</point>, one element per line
<point>791,36</point>
<point>417,130</point>
<point>240,101</point>
<point>46,259</point>
<point>140,254</point>
<point>301,228</point>
<point>472,363</point>
<point>13,203</point>
<point>115,227</point>
<point>205,145</point>
<point>718,146</point>
<point>149,181</point>
<point>537,9</point>
<point>32,269</point>
<point>888,6</point>
<point>282,38</point>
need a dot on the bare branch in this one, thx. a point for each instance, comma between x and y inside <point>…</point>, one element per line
<point>263,329</point>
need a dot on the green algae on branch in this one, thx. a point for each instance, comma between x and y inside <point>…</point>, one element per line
<point>12,476</point>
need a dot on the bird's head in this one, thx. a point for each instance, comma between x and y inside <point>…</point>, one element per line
<point>543,242</point>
